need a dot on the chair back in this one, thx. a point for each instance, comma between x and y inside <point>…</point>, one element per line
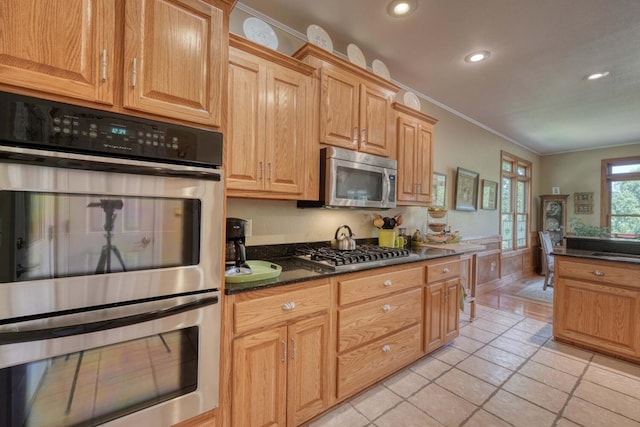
<point>545,242</point>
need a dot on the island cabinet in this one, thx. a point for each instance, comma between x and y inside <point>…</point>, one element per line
<point>442,304</point>
<point>379,325</point>
<point>269,151</point>
<point>280,356</point>
<point>596,304</point>
<point>354,109</point>
<point>414,143</point>
<point>127,56</point>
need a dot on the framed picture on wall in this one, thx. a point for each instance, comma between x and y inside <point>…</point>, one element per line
<point>466,190</point>
<point>489,195</point>
<point>439,190</point>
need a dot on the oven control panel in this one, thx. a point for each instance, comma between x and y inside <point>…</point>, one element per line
<point>39,123</point>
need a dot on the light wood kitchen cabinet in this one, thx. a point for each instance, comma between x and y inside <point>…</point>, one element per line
<point>379,325</point>
<point>597,305</point>
<point>269,149</point>
<point>74,49</point>
<point>442,304</point>
<point>280,355</point>
<point>354,104</point>
<point>414,140</point>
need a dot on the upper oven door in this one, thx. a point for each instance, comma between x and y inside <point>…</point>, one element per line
<point>72,238</point>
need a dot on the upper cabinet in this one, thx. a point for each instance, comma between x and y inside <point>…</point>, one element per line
<point>269,151</point>
<point>170,60</point>
<point>354,104</point>
<point>415,146</point>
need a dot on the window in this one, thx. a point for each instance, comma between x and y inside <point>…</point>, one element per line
<point>515,205</point>
<point>620,207</point>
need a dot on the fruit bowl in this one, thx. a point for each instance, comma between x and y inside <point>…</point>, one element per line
<point>437,227</point>
<point>437,238</point>
<point>437,214</point>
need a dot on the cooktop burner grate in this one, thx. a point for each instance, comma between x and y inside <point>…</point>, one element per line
<point>362,254</point>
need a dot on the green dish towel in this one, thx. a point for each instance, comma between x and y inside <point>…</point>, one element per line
<point>463,296</point>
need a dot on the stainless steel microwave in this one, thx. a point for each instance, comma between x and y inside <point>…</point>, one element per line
<point>351,179</point>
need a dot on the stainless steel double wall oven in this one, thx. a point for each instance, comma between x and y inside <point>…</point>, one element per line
<point>110,267</point>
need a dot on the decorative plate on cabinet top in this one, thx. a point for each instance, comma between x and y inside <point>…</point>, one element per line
<point>411,100</point>
<point>260,32</point>
<point>380,69</point>
<point>318,36</point>
<point>356,56</point>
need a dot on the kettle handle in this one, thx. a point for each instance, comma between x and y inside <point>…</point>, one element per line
<point>340,228</point>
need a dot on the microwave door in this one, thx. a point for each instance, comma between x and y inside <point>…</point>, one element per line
<point>356,185</point>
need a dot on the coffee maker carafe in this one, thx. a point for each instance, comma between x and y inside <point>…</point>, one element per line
<point>235,251</point>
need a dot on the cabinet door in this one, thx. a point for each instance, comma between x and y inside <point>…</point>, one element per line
<point>63,47</point>
<point>451,321</point>
<point>287,131</point>
<point>259,379</point>
<point>173,59</point>
<point>423,164</point>
<point>434,317</point>
<point>376,122</point>
<point>339,103</point>
<point>600,316</point>
<point>407,142</point>
<point>244,147</point>
<point>307,391</point>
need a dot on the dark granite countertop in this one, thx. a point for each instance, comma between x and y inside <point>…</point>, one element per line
<point>295,270</point>
<point>597,255</point>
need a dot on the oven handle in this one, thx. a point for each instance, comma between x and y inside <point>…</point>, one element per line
<point>14,337</point>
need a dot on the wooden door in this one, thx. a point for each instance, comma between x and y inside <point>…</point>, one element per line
<point>423,164</point>
<point>244,144</point>
<point>376,121</point>
<point>407,143</point>
<point>451,313</point>
<point>434,317</point>
<point>286,135</point>
<point>339,104</point>
<point>260,379</point>
<point>174,59</point>
<point>308,373</point>
<point>62,47</point>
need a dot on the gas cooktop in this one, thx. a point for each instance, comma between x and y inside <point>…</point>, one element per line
<point>362,256</point>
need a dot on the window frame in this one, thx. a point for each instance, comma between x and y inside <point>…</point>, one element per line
<point>517,163</point>
<point>607,178</point>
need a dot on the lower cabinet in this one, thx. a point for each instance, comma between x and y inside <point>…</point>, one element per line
<point>442,303</point>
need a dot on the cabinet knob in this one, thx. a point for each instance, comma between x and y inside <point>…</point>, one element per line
<point>386,348</point>
<point>289,305</point>
<point>445,270</point>
<point>387,283</point>
<point>386,308</point>
<point>599,273</point>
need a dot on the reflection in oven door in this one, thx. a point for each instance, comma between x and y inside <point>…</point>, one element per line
<point>107,366</point>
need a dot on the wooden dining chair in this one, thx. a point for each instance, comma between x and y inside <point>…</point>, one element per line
<point>547,258</point>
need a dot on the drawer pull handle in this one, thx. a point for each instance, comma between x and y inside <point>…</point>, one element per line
<point>289,305</point>
<point>386,308</point>
<point>599,273</point>
<point>386,348</point>
<point>445,270</point>
<point>387,283</point>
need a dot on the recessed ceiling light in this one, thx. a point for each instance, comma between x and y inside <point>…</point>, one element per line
<point>596,76</point>
<point>477,56</point>
<point>402,7</point>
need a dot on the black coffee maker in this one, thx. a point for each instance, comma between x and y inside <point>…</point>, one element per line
<point>235,251</point>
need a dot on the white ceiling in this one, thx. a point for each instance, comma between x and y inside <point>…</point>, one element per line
<point>532,89</point>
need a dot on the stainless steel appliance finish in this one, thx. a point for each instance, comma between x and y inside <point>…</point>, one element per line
<point>110,235</point>
<point>362,257</point>
<point>351,179</point>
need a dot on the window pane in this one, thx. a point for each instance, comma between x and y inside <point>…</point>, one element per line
<point>521,200</point>
<point>628,225</point>
<point>506,195</point>
<point>625,168</point>
<point>507,166</point>
<point>507,232</point>
<point>521,231</point>
<point>522,171</point>
<point>625,197</point>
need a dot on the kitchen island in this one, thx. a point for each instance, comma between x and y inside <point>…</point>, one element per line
<point>597,296</point>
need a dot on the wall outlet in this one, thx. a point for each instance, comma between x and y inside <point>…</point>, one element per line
<point>248,228</point>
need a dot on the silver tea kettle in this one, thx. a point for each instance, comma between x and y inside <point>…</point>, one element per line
<point>343,242</point>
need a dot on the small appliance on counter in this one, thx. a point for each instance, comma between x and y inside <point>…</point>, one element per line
<point>235,251</point>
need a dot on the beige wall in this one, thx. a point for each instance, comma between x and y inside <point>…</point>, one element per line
<point>457,143</point>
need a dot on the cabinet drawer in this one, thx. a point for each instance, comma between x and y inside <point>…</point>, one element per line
<point>600,272</point>
<point>367,365</point>
<point>264,311</point>
<point>443,270</point>
<point>365,322</point>
<point>376,285</point>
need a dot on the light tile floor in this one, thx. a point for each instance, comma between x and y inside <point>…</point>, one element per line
<point>503,370</point>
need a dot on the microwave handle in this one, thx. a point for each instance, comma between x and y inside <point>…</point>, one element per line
<point>14,337</point>
<point>386,188</point>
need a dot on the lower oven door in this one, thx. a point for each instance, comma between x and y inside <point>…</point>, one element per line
<point>152,363</point>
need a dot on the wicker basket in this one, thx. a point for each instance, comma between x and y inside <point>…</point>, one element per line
<point>437,214</point>
<point>437,227</point>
